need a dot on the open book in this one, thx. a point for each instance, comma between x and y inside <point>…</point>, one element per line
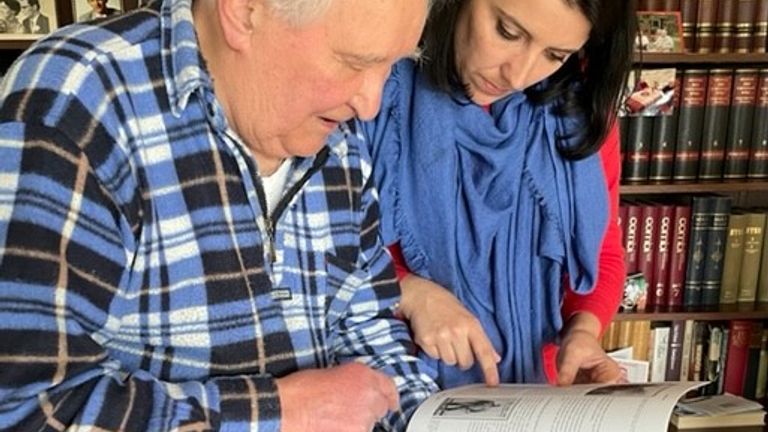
<point>643,407</point>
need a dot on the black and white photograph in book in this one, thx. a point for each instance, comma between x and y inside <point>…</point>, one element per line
<point>86,10</point>
<point>659,32</point>
<point>26,19</point>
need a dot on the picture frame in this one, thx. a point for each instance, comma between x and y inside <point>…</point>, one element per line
<point>650,92</point>
<point>659,32</point>
<point>85,10</point>
<point>27,19</point>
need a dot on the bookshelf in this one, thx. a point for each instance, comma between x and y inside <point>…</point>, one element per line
<point>756,311</point>
<point>710,59</point>
<point>694,187</point>
<point>712,97</point>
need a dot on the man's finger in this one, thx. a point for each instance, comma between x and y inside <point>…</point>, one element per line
<point>388,390</point>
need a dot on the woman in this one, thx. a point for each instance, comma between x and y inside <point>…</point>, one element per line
<point>494,186</point>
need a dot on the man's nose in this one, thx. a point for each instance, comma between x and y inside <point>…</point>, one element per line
<point>367,100</point>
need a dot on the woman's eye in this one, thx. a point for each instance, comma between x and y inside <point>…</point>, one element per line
<point>557,57</point>
<point>506,34</point>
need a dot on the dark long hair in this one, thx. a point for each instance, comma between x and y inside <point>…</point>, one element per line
<point>589,84</point>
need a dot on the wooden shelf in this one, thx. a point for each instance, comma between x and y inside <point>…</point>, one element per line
<point>688,188</point>
<point>733,59</point>
<point>716,313</point>
<point>15,44</point>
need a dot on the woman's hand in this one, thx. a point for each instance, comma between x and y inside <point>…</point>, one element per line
<point>444,329</point>
<point>581,359</point>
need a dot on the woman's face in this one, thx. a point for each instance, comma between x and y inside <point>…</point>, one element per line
<point>505,46</point>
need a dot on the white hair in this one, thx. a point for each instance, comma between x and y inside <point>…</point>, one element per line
<point>299,12</point>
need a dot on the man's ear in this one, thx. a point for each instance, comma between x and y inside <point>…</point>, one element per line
<point>237,19</point>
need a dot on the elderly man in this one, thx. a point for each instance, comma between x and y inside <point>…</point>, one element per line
<point>188,233</point>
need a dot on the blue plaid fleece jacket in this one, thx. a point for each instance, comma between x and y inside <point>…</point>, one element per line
<point>138,287</point>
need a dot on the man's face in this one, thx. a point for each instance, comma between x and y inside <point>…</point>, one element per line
<point>6,13</point>
<point>98,5</point>
<point>300,82</point>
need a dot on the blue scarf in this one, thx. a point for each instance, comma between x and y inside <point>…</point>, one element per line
<point>485,206</point>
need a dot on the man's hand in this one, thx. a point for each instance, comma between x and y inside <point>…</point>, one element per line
<point>581,359</point>
<point>347,398</point>
<point>445,329</point>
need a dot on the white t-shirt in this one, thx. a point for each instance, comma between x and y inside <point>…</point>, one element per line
<point>275,184</point>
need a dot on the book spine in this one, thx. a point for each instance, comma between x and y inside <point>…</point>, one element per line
<point>671,5</point>
<point>638,149</point>
<point>715,124</point>
<point>715,248</point>
<point>634,214</point>
<point>762,369</point>
<point>646,254</point>
<point>712,369</point>
<point>690,123</point>
<point>758,153</point>
<point>753,360</point>
<point>659,353</point>
<point>685,361</point>
<point>625,334</point>
<point>745,26</point>
<point>701,216</point>
<point>688,11</point>
<point>662,152</point>
<point>725,26</point>
<point>729,287</point>
<point>736,361</point>
<point>706,18</point>
<point>699,351</point>
<point>679,252</point>
<point>675,351</point>
<point>739,135</point>
<point>623,140</point>
<point>662,244</point>
<point>750,263</point>
<point>641,337</point>
<point>762,282</point>
<point>761,26</point>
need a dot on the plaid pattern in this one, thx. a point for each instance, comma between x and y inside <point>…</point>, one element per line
<point>136,291</point>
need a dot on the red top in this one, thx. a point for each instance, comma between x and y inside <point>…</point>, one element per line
<point>604,300</point>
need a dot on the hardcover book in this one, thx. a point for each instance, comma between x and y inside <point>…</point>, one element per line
<point>729,287</point>
<point>690,124</point>
<point>678,256</point>
<point>739,136</point>
<point>725,26</point>
<point>754,230</point>
<point>715,251</point>
<point>758,154</point>
<point>715,124</point>
<point>688,11</point>
<point>745,25</point>
<point>702,208</point>
<point>736,362</point>
<point>706,17</point>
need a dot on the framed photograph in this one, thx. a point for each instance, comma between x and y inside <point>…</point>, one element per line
<point>86,10</point>
<point>659,32</point>
<point>27,19</point>
<point>649,92</point>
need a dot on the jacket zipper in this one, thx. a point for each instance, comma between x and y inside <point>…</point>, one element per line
<point>271,220</point>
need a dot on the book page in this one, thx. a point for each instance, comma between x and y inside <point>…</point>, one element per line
<point>542,408</point>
